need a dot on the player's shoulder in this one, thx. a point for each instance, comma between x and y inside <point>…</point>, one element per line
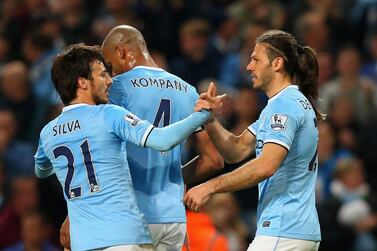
<point>288,101</point>
<point>110,108</point>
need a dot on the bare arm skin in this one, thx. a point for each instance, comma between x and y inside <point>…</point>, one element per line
<point>248,175</point>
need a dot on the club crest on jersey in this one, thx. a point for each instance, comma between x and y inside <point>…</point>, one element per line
<point>132,119</point>
<point>278,122</point>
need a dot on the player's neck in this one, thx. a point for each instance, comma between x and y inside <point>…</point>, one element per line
<point>82,100</point>
<point>277,85</point>
<point>146,60</point>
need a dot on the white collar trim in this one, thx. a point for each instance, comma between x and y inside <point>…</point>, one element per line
<point>148,68</point>
<point>280,92</point>
<point>70,107</point>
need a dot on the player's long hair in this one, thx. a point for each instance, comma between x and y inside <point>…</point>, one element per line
<point>72,64</point>
<point>300,62</point>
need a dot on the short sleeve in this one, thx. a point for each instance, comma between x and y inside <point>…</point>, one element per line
<point>281,126</point>
<point>43,165</point>
<point>127,126</point>
<point>253,128</point>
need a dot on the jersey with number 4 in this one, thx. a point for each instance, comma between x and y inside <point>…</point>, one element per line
<point>161,98</point>
<point>286,206</point>
<point>83,146</point>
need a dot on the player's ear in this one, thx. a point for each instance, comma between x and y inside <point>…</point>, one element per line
<point>121,52</point>
<point>83,83</point>
<point>278,63</point>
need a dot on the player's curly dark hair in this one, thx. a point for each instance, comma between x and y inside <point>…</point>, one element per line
<point>74,63</point>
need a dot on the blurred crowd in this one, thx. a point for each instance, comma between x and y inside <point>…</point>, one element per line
<point>200,41</point>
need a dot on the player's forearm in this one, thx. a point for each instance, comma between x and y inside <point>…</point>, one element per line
<point>164,139</point>
<point>248,175</point>
<point>225,142</point>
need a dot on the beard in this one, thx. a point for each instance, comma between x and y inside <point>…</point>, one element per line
<point>99,100</point>
<point>264,80</point>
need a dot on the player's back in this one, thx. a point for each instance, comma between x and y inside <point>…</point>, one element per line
<point>287,199</point>
<point>161,98</point>
<point>93,171</point>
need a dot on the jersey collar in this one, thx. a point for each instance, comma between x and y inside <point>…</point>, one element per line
<point>70,107</point>
<point>148,68</point>
<point>280,92</point>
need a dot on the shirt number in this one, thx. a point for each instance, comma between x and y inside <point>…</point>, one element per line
<point>75,192</point>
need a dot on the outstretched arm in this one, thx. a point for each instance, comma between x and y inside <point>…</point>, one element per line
<point>164,139</point>
<point>248,175</point>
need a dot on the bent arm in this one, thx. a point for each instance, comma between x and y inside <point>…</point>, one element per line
<point>248,175</point>
<point>233,148</point>
<point>207,163</point>
<point>164,139</point>
<point>251,173</point>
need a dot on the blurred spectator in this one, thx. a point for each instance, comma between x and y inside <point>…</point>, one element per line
<point>4,50</point>
<point>328,155</point>
<point>326,67</point>
<point>233,68</point>
<point>39,51</point>
<point>202,235</point>
<point>50,27</point>
<point>368,141</point>
<point>76,21</point>
<point>269,13</point>
<point>247,108</point>
<point>16,94</point>
<point>364,17</point>
<point>195,64</point>
<point>224,211</point>
<point>225,39</point>
<point>342,116</point>
<point>370,69</point>
<point>17,156</point>
<point>347,206</point>
<point>312,29</point>
<point>114,13</point>
<point>2,187</point>
<point>35,232</point>
<point>352,191</point>
<point>24,199</point>
<point>362,93</point>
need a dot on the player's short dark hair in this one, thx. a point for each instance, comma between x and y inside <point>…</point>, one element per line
<point>74,63</point>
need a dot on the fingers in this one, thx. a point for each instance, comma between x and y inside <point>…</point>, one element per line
<point>212,90</point>
<point>194,200</point>
<point>64,235</point>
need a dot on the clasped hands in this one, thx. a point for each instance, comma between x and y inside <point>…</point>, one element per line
<point>210,100</point>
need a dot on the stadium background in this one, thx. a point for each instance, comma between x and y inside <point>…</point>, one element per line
<point>199,40</point>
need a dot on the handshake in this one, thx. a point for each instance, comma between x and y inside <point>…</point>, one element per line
<point>210,101</point>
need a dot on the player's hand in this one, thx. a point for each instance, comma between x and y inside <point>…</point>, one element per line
<point>65,239</point>
<point>197,196</point>
<point>216,101</point>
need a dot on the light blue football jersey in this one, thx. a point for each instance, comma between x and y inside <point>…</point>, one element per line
<point>286,206</point>
<point>161,98</point>
<point>83,145</point>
